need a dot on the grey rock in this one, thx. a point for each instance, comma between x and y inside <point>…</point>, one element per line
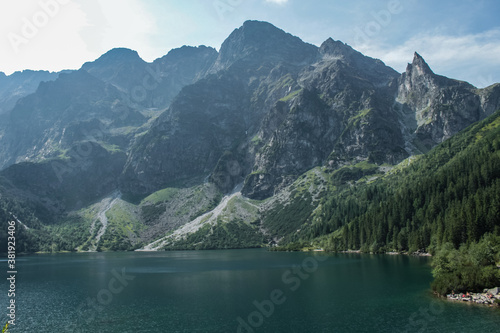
<point>494,291</point>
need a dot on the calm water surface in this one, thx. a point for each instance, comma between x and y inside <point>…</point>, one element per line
<point>233,291</point>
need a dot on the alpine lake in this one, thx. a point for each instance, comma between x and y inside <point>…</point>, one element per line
<point>251,290</point>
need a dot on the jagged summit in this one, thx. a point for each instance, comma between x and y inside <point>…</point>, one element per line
<point>187,50</point>
<point>189,53</point>
<point>254,28</point>
<point>255,34</point>
<point>259,25</point>
<point>257,41</point>
<point>417,56</point>
<point>419,72</point>
<point>30,72</point>
<point>372,69</point>
<point>335,48</point>
<point>419,66</point>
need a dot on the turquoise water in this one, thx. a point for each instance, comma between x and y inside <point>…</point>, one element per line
<point>234,291</point>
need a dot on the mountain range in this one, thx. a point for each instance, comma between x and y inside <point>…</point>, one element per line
<point>240,147</point>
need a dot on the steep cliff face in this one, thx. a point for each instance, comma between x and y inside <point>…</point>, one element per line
<point>185,142</point>
<point>335,112</point>
<point>278,107</point>
<point>274,107</point>
<point>219,114</point>
<point>179,68</point>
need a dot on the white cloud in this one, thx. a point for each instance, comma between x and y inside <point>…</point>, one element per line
<point>37,36</point>
<point>472,57</point>
<point>65,34</point>
<point>278,2</point>
<point>82,30</point>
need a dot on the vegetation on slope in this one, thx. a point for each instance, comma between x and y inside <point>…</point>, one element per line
<point>232,235</point>
<point>450,195</point>
<point>129,226</point>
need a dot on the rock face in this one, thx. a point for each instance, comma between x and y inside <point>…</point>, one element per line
<point>494,291</point>
<point>219,113</point>
<point>278,107</point>
<point>186,141</point>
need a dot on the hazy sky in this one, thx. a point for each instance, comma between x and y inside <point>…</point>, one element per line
<point>458,38</point>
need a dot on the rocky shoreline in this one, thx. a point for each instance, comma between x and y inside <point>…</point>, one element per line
<point>487,297</point>
<point>415,254</point>
<point>392,253</point>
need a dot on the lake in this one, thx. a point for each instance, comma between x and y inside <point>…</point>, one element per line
<point>234,291</point>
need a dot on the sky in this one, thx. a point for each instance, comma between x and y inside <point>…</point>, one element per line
<point>457,38</point>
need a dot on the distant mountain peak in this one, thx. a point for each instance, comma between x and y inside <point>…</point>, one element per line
<point>258,41</point>
<point>255,32</point>
<point>114,56</point>
<point>188,51</point>
<point>335,48</point>
<point>256,25</point>
<point>122,53</point>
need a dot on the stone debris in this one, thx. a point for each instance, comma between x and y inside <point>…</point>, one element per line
<point>488,296</point>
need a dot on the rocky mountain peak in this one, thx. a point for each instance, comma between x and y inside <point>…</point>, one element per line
<point>113,57</point>
<point>374,70</point>
<point>418,78</point>
<point>336,48</point>
<point>254,31</point>
<point>189,51</point>
<point>121,54</point>
<point>418,66</point>
<point>193,57</point>
<point>259,42</point>
<point>119,67</point>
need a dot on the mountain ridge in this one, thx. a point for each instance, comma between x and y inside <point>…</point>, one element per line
<point>265,112</point>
